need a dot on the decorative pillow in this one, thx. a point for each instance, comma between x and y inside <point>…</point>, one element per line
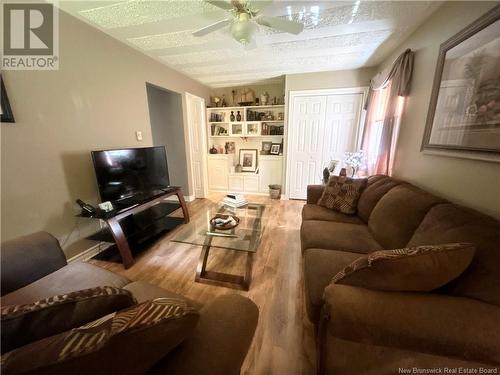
<point>127,342</point>
<point>22,324</point>
<point>414,269</point>
<point>342,194</point>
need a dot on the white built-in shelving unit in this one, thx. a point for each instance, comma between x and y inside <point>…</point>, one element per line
<point>257,124</point>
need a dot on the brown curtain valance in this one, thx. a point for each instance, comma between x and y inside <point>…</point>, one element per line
<point>399,74</point>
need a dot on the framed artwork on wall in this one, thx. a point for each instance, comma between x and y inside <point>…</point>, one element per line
<point>464,110</point>
<point>6,114</point>
<point>248,160</point>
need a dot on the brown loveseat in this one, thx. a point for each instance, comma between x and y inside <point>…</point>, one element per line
<point>34,268</point>
<point>365,331</point>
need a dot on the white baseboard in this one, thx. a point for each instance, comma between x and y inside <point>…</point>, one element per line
<point>90,252</point>
<point>187,198</point>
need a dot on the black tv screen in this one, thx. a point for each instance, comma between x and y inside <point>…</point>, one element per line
<point>129,172</point>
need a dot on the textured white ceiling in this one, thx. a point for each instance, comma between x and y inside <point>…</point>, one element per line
<point>338,35</point>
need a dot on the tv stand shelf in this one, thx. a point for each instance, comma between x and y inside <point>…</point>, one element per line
<point>140,222</point>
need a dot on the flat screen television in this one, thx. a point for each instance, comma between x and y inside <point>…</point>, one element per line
<point>132,172</point>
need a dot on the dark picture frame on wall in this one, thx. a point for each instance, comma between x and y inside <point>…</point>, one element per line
<point>464,110</point>
<point>6,114</point>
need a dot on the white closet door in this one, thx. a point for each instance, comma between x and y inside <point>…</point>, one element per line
<point>343,113</point>
<point>322,127</point>
<point>306,146</point>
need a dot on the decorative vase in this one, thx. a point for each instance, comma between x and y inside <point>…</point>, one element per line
<point>238,116</point>
<point>232,116</point>
<point>238,168</point>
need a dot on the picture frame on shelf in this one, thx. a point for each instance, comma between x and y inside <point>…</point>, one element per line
<point>468,70</point>
<point>248,160</point>
<point>266,148</point>
<point>275,149</point>
<point>230,147</point>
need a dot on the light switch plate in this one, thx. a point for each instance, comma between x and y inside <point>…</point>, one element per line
<point>138,135</point>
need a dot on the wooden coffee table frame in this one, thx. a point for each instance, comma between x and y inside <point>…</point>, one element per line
<point>226,279</point>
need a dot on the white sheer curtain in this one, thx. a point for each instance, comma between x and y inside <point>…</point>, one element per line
<point>383,117</point>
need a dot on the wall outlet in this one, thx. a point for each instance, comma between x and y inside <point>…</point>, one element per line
<point>138,135</point>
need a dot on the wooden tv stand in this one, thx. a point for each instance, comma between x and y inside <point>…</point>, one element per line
<point>113,219</point>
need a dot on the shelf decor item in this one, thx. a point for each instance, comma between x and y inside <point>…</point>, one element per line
<point>248,160</point>
<point>354,160</point>
<point>247,97</point>
<point>464,111</point>
<point>266,148</point>
<point>238,116</point>
<point>275,149</point>
<point>224,222</point>
<point>231,118</point>
<point>230,147</point>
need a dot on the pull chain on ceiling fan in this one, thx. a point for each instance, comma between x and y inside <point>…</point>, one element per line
<point>244,14</point>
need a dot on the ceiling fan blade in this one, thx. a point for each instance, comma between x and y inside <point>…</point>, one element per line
<point>292,27</point>
<point>220,4</point>
<point>260,4</point>
<point>210,28</point>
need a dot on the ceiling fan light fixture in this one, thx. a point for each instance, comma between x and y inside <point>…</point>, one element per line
<point>242,29</point>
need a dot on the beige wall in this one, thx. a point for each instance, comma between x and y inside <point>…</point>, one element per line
<point>469,182</point>
<point>96,100</point>
<point>329,80</point>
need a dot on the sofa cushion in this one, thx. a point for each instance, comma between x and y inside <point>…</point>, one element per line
<point>337,236</point>
<point>398,214</point>
<point>29,258</point>
<point>22,324</point>
<point>319,267</point>
<point>357,357</point>
<point>376,188</point>
<point>414,269</point>
<point>315,212</point>
<point>342,194</point>
<point>127,342</point>
<point>143,292</point>
<point>452,223</point>
<point>219,343</point>
<point>71,278</point>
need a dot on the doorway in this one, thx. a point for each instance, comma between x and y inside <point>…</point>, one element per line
<point>167,129</point>
<point>323,125</point>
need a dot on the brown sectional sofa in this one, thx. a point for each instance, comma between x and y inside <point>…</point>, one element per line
<point>360,330</point>
<point>34,268</point>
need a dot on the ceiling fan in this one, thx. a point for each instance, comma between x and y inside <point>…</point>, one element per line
<point>243,12</point>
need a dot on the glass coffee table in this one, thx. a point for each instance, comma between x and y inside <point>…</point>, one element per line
<point>244,237</point>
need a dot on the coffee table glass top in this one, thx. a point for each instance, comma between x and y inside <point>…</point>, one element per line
<point>244,237</point>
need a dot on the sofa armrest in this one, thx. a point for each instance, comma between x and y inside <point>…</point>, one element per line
<point>314,192</point>
<point>29,258</point>
<point>319,268</point>
<point>220,341</point>
<point>423,322</point>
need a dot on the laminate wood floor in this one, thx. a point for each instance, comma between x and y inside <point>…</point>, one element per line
<point>284,340</point>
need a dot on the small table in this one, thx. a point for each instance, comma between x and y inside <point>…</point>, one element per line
<point>114,217</point>
<point>244,237</point>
